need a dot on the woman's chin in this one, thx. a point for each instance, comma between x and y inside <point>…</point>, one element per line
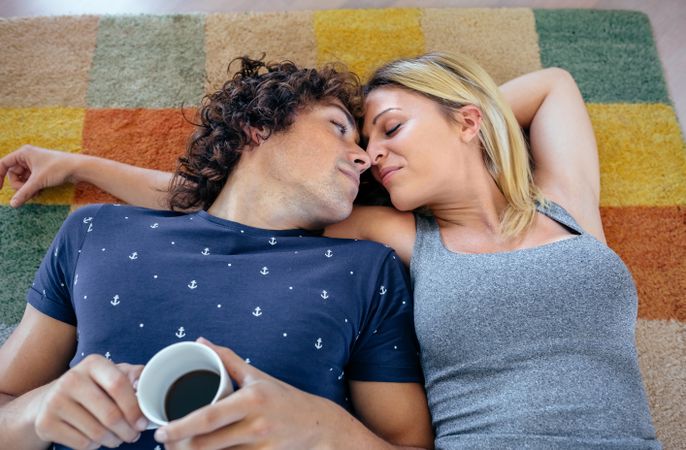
<point>404,204</point>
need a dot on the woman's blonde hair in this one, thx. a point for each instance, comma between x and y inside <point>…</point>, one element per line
<point>454,81</point>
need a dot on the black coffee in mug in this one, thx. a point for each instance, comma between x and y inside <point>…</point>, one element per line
<point>190,392</point>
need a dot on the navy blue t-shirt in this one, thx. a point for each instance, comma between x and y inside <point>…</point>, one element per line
<point>314,312</point>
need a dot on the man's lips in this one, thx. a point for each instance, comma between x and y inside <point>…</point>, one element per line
<point>386,173</point>
<point>352,176</point>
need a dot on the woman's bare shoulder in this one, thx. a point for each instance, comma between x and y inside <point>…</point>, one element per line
<point>381,224</point>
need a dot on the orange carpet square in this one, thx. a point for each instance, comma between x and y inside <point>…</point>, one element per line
<point>652,242</point>
<point>152,138</point>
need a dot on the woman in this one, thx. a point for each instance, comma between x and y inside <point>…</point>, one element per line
<point>524,316</point>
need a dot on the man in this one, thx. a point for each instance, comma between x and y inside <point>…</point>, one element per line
<point>274,160</point>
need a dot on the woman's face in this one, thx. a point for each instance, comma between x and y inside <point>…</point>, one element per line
<point>413,146</point>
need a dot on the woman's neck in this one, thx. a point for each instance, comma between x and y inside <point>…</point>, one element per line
<point>476,205</point>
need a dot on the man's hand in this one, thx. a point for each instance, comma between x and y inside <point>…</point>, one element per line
<point>31,169</point>
<point>264,413</point>
<point>92,405</point>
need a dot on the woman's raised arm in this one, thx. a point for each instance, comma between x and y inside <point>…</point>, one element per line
<point>563,146</point>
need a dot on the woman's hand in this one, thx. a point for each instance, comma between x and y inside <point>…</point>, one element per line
<point>31,169</point>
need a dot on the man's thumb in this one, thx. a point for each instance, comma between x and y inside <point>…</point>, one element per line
<point>240,371</point>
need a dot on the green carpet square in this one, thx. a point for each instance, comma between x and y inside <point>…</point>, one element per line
<point>25,234</point>
<point>148,61</point>
<point>611,54</point>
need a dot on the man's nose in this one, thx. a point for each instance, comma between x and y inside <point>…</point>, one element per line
<point>361,159</point>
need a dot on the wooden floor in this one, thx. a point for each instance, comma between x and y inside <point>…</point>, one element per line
<point>668,18</point>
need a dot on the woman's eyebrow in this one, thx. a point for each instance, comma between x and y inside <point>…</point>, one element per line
<point>382,113</point>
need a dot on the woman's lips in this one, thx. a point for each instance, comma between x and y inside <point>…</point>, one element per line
<point>387,173</point>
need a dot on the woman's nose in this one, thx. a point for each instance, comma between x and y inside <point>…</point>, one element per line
<point>376,152</point>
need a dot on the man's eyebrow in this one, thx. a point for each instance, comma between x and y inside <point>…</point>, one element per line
<point>348,116</point>
<point>382,113</point>
<point>351,121</point>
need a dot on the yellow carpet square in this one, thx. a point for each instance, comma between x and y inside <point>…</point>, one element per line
<point>230,35</point>
<point>503,41</point>
<point>56,128</point>
<point>365,39</point>
<point>642,155</point>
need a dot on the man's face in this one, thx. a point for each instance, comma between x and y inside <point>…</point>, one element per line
<point>319,162</point>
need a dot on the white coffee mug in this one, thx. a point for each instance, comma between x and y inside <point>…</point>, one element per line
<point>166,367</point>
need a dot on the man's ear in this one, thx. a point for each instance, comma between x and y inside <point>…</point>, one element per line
<point>468,119</point>
<point>257,135</point>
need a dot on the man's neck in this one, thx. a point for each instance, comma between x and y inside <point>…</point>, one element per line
<point>251,201</point>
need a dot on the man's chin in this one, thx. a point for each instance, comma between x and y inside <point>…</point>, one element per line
<point>339,211</point>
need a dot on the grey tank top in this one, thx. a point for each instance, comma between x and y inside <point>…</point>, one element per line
<point>533,348</point>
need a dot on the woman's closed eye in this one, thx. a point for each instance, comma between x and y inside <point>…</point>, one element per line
<point>390,132</point>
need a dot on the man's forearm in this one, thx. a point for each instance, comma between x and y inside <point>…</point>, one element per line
<point>134,185</point>
<point>17,423</point>
<point>345,432</point>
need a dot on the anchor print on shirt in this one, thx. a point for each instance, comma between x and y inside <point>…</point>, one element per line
<point>108,355</point>
<point>324,295</point>
<point>87,220</point>
<point>318,344</point>
<point>383,290</point>
<point>180,333</point>
<point>206,251</point>
<point>192,284</point>
<point>90,228</point>
<point>155,225</point>
<point>133,256</point>
<point>264,270</point>
<point>328,253</point>
<point>115,300</point>
<point>257,312</point>
<point>272,241</point>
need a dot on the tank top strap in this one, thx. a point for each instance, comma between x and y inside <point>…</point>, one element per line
<point>427,242</point>
<point>560,215</point>
<point>428,236</point>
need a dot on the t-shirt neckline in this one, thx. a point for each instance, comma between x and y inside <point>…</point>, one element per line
<point>253,231</point>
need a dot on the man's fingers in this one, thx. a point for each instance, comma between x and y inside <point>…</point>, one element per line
<point>119,388</point>
<point>71,437</point>
<point>91,397</point>
<point>229,437</point>
<point>205,420</point>
<point>239,371</point>
<point>83,421</point>
<point>132,372</point>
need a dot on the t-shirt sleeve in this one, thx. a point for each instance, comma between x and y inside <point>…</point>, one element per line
<point>51,290</point>
<point>387,349</point>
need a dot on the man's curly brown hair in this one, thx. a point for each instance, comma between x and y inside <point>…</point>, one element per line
<point>263,96</point>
